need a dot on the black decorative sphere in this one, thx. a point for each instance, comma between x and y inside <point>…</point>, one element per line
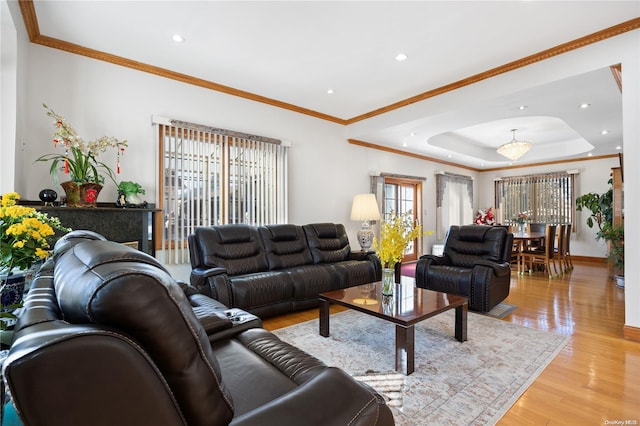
<point>48,195</point>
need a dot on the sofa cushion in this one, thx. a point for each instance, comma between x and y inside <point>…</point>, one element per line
<point>237,248</point>
<point>127,290</point>
<point>285,246</point>
<point>253,291</point>
<point>328,242</point>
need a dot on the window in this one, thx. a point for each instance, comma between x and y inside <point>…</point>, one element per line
<point>214,176</point>
<point>545,198</point>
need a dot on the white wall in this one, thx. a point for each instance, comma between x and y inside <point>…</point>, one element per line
<point>98,98</point>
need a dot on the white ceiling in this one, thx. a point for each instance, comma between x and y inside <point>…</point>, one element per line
<point>294,51</point>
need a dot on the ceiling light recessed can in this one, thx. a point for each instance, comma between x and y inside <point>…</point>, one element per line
<point>604,132</point>
<point>401,57</point>
<point>585,105</point>
<point>522,107</point>
<point>618,147</point>
<point>177,38</point>
<point>330,91</point>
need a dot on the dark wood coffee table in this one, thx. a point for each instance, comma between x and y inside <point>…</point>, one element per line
<point>408,306</point>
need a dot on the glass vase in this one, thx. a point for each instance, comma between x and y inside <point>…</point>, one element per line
<point>388,281</point>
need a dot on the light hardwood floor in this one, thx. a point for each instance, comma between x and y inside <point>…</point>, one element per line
<point>595,379</point>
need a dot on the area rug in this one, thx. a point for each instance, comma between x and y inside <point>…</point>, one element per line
<point>501,310</point>
<point>470,383</point>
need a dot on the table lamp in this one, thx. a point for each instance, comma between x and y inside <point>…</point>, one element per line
<point>365,208</point>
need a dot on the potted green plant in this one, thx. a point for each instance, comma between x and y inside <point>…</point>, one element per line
<point>128,194</point>
<point>601,207</point>
<point>614,235</point>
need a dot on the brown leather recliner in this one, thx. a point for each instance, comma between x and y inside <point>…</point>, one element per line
<point>475,264</point>
<point>107,337</point>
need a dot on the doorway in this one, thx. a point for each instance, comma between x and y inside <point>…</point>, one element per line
<point>402,197</point>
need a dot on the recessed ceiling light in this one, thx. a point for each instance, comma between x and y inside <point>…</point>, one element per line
<point>449,156</point>
<point>604,132</point>
<point>618,147</point>
<point>401,57</point>
<point>585,105</point>
<point>330,91</point>
<point>521,107</point>
<point>413,133</point>
<point>590,154</point>
<point>404,144</point>
<point>177,38</point>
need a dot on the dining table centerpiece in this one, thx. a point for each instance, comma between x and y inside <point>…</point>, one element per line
<point>80,162</point>
<point>24,234</point>
<point>521,219</point>
<point>396,232</point>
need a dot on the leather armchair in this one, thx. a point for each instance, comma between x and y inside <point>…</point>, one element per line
<point>475,264</point>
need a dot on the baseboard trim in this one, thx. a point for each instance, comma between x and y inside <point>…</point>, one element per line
<point>589,259</point>
<point>631,333</point>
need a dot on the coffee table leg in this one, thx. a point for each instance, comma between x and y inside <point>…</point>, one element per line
<point>324,318</point>
<point>405,350</point>
<point>461,322</point>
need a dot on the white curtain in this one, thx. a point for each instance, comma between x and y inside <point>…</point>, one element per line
<point>454,202</point>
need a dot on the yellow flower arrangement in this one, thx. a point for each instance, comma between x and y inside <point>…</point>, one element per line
<point>395,235</point>
<point>23,234</point>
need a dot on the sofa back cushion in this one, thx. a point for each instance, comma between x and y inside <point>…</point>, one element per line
<point>328,242</point>
<point>111,285</point>
<point>468,243</point>
<point>237,248</point>
<point>285,246</point>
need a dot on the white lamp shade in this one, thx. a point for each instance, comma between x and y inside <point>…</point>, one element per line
<point>365,207</point>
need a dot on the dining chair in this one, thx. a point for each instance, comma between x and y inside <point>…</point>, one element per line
<point>567,247</point>
<point>560,248</point>
<point>546,256</point>
<point>536,227</point>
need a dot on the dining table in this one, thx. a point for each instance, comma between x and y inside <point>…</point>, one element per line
<point>523,239</point>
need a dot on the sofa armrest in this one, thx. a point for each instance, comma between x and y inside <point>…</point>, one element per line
<point>361,255</point>
<point>213,282</point>
<point>86,363</point>
<point>499,269</point>
<point>437,260</point>
<point>330,398</point>
<point>200,275</point>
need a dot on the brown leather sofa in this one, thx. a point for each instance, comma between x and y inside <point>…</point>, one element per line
<point>107,337</point>
<point>475,264</point>
<point>275,269</point>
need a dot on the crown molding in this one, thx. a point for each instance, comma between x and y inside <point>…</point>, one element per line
<point>30,19</point>
<point>31,23</point>
<point>511,66</point>
<point>475,169</point>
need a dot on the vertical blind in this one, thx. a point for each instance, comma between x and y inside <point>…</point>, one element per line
<point>214,176</point>
<point>544,198</point>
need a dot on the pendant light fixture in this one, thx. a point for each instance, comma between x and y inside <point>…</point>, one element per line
<point>514,149</point>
